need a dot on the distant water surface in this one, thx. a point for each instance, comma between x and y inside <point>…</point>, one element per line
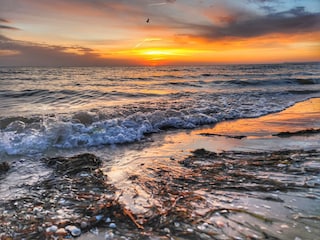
<point>67,108</point>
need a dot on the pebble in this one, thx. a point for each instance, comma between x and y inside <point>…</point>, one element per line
<point>238,238</point>
<point>308,229</point>
<point>83,225</point>
<point>281,165</point>
<point>37,210</point>
<point>167,230</point>
<point>75,232</point>
<point>203,226</point>
<point>99,217</point>
<point>220,224</point>
<point>284,226</point>
<point>112,225</point>
<point>52,229</point>
<point>109,235</point>
<point>95,231</point>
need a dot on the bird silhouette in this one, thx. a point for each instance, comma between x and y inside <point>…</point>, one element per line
<point>148,20</point>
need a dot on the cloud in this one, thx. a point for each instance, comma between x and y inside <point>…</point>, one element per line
<point>4,20</point>
<point>295,20</point>
<point>33,54</point>
<point>2,26</point>
<point>8,27</point>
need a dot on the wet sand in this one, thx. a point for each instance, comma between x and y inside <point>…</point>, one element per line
<point>199,184</point>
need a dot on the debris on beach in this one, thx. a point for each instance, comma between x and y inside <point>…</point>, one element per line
<point>236,195</point>
<point>73,200</point>
<point>305,132</point>
<point>221,135</point>
<point>207,195</point>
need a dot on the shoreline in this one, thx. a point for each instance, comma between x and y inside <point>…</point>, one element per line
<point>187,184</point>
<point>171,147</point>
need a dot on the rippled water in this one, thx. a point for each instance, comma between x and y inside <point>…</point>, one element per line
<point>64,108</point>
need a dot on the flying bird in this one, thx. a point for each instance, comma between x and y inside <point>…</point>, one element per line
<point>148,20</point>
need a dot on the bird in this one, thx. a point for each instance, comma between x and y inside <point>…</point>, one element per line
<point>148,20</point>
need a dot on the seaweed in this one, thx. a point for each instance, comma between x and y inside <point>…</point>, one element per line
<point>197,199</point>
<point>304,132</point>
<point>221,135</point>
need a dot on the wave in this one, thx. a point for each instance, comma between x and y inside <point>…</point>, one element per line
<point>37,134</point>
<point>28,136</point>
<point>270,82</point>
<point>40,95</point>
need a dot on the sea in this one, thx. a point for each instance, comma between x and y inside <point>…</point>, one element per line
<point>45,109</point>
<point>64,111</point>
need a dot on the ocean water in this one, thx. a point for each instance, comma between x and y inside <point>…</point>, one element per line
<point>48,109</point>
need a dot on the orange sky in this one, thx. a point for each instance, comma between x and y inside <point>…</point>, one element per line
<point>113,32</point>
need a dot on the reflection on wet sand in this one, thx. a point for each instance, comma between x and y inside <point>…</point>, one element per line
<point>301,116</point>
<point>225,193</point>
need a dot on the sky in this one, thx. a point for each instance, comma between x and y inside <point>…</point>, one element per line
<point>179,32</point>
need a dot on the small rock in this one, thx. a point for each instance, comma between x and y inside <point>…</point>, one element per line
<point>36,210</point>
<point>220,224</point>
<point>95,231</point>
<point>74,231</point>
<point>83,225</point>
<point>99,218</point>
<point>52,229</point>
<point>112,225</point>
<point>109,235</point>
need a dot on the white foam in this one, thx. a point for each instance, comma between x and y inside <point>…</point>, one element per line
<point>64,132</point>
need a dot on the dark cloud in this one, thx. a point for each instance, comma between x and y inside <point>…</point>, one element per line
<point>2,26</point>
<point>268,6</point>
<point>4,20</point>
<point>297,11</point>
<point>8,27</point>
<point>268,9</point>
<point>31,54</point>
<point>296,20</point>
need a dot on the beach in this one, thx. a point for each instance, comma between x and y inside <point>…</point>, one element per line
<point>220,152</point>
<point>159,120</point>
<point>206,183</point>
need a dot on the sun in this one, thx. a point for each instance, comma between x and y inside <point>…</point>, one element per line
<point>161,55</point>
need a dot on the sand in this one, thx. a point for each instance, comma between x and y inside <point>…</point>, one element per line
<point>164,153</point>
<point>237,179</point>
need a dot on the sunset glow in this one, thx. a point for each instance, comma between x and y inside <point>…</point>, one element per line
<point>102,32</point>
